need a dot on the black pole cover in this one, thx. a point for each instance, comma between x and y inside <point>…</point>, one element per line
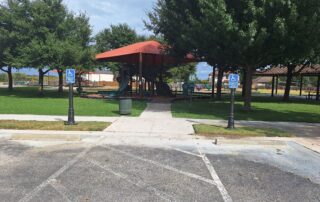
<point>71,120</point>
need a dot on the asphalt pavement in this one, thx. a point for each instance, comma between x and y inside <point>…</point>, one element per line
<point>78,171</point>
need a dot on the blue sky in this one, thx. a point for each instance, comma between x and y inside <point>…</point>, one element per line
<point>104,13</point>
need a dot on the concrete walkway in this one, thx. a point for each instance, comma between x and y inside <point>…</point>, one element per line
<point>156,120</point>
<point>156,123</point>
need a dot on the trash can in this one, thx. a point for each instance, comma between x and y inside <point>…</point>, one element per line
<point>125,106</point>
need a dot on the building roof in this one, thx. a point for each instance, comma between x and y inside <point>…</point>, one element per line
<point>98,71</point>
<point>261,79</point>
<point>310,70</point>
<point>153,53</point>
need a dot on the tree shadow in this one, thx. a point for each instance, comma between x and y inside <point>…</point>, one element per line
<point>220,110</point>
<point>32,92</point>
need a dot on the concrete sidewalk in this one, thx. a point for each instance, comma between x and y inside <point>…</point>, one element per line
<point>156,123</point>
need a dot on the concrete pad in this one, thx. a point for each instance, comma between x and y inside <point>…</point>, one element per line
<point>151,126</point>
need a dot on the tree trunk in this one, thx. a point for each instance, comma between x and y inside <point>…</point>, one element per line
<point>244,83</point>
<point>219,83</point>
<point>286,96</point>
<point>248,88</point>
<point>60,73</point>
<point>41,75</point>
<point>10,79</point>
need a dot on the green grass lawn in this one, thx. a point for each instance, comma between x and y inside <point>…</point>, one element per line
<point>263,109</point>
<point>210,130</point>
<point>27,101</point>
<point>53,125</point>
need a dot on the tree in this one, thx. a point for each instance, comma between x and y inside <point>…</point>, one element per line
<point>181,73</point>
<point>74,50</point>
<point>297,35</point>
<point>115,37</point>
<point>14,34</point>
<point>45,18</point>
<point>231,33</point>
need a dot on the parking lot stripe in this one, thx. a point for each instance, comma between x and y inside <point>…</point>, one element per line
<point>39,188</point>
<point>191,175</point>
<point>186,152</point>
<point>60,189</point>
<point>224,193</point>
<point>139,184</point>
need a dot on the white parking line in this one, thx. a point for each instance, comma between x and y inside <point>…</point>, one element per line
<point>186,152</point>
<point>60,189</point>
<point>70,163</point>
<point>139,184</point>
<point>224,193</point>
<point>39,188</point>
<point>191,175</point>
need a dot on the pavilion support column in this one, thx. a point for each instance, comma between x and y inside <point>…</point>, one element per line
<point>140,75</point>
<point>145,85</point>
<point>152,87</point>
<point>272,90</point>
<point>137,84</point>
<point>277,84</point>
<point>301,85</point>
<point>318,89</point>
<point>213,81</point>
<point>131,83</point>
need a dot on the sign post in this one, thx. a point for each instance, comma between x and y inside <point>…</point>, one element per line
<point>71,79</point>
<point>233,85</point>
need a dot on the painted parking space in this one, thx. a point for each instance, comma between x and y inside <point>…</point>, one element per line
<point>77,172</point>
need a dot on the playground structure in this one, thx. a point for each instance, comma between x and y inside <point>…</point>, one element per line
<point>145,62</point>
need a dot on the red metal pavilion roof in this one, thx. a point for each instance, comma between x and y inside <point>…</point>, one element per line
<point>152,51</point>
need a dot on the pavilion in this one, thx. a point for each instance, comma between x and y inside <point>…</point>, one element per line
<point>300,71</point>
<point>145,55</point>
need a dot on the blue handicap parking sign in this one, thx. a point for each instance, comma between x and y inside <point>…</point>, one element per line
<point>70,76</point>
<point>233,81</point>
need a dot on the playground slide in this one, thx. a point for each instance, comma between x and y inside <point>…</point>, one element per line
<point>123,85</point>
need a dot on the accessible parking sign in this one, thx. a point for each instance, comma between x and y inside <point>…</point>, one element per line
<point>71,76</point>
<point>233,81</point>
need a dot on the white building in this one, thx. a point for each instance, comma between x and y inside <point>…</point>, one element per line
<point>99,76</point>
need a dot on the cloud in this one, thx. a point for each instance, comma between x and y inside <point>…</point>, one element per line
<point>103,13</point>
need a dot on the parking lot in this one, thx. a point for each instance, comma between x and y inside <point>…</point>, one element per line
<point>90,172</point>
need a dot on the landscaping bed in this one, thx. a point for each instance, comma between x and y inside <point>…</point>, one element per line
<point>52,125</point>
<point>211,130</point>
